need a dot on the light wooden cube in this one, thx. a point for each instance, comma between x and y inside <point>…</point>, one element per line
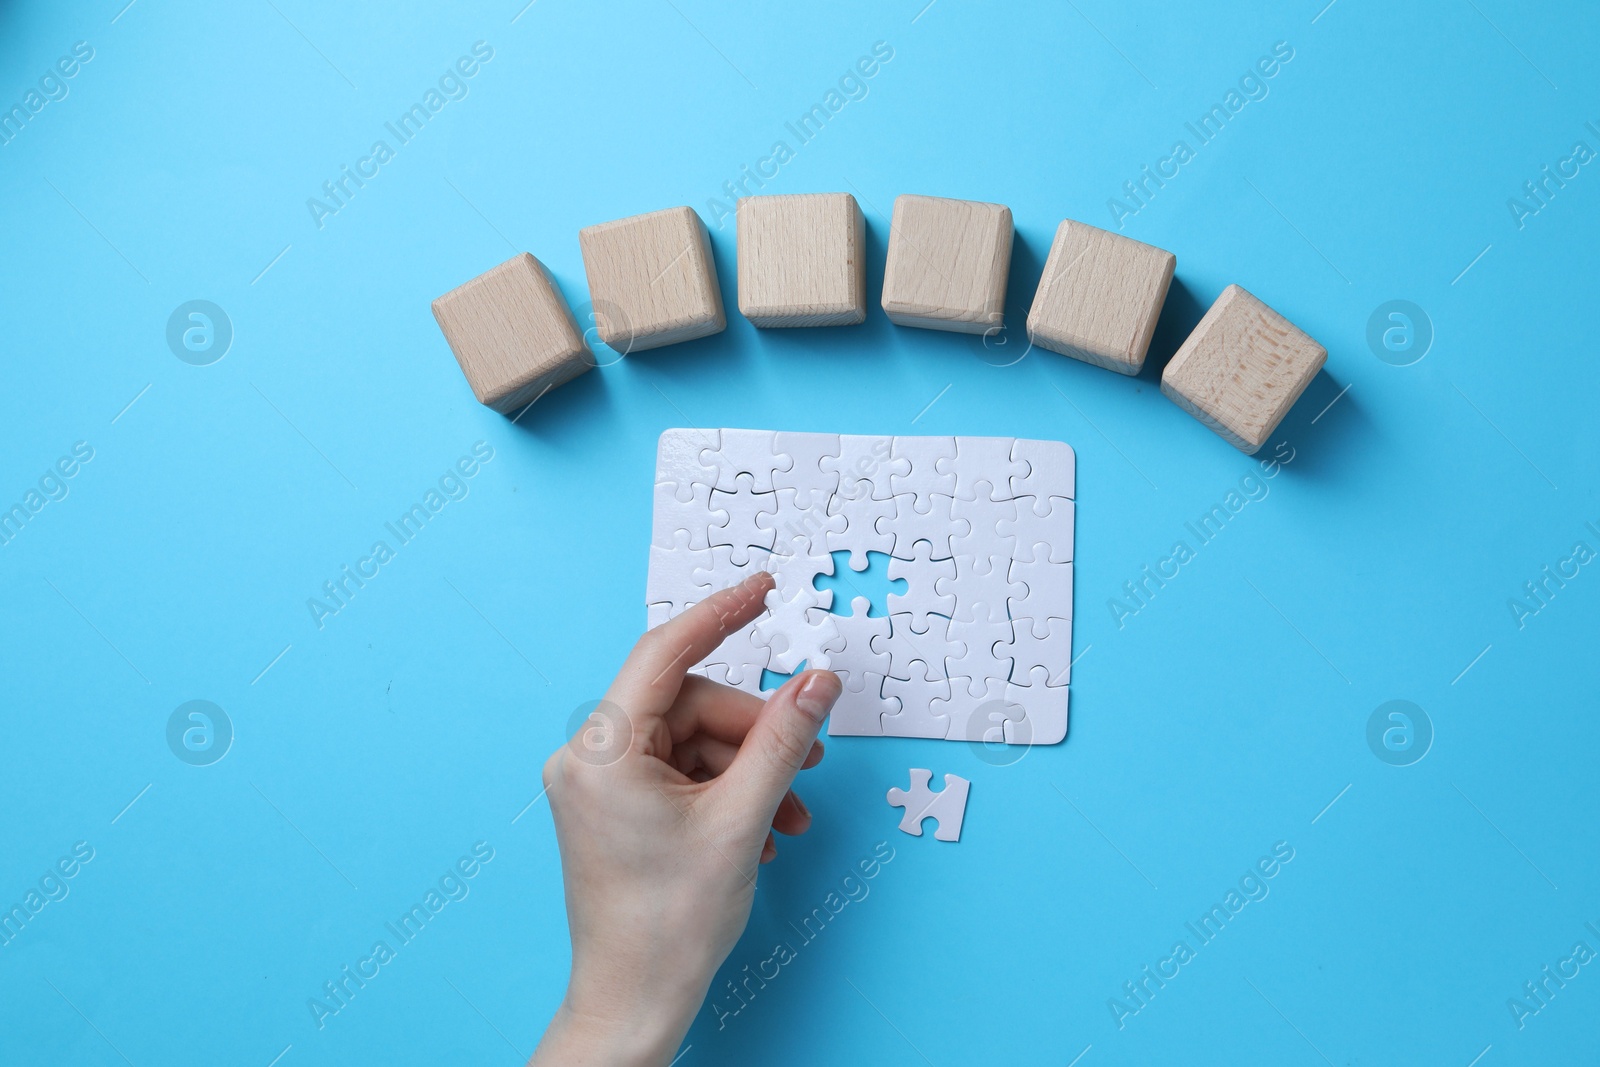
<point>801,260</point>
<point>1242,368</point>
<point>1100,297</point>
<point>652,280</point>
<point>948,264</point>
<point>512,334</point>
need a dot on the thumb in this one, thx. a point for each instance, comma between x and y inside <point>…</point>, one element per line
<point>777,745</point>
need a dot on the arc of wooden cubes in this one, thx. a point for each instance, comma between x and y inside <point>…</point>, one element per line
<point>801,263</point>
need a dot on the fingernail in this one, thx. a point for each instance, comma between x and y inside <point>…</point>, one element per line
<point>816,697</point>
<point>800,805</point>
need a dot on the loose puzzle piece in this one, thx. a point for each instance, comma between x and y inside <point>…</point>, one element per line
<point>976,647</point>
<point>948,806</point>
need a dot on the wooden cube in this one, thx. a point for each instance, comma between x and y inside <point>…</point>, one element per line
<point>512,334</point>
<point>1242,368</point>
<point>1100,297</point>
<point>652,280</point>
<point>948,264</point>
<point>801,260</point>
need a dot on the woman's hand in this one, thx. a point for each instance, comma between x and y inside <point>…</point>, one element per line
<point>664,805</point>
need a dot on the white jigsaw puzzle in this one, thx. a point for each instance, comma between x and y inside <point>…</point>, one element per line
<point>978,647</point>
<point>948,806</point>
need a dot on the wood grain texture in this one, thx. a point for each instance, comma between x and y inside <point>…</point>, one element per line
<point>1100,297</point>
<point>512,334</point>
<point>801,260</point>
<point>652,280</point>
<point>948,264</point>
<point>1242,368</point>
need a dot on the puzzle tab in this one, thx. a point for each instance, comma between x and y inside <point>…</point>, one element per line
<point>978,645</point>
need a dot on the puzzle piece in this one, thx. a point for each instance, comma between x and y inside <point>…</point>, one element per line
<point>922,597</point>
<point>983,516</point>
<point>931,468</point>
<point>861,706</point>
<point>1051,469</point>
<point>803,472</point>
<point>1045,721</point>
<point>986,462</point>
<point>1053,528</point>
<point>933,646</point>
<point>745,678</point>
<point>678,459</point>
<point>693,514</point>
<point>916,717</point>
<point>1042,645</point>
<point>864,637</point>
<point>937,526</point>
<point>743,529</point>
<point>795,571</point>
<point>865,466</point>
<point>948,806</point>
<point>802,515</point>
<point>986,643</point>
<point>674,573</point>
<point>797,631</point>
<point>984,580</point>
<point>738,661</point>
<point>744,452</point>
<point>861,533</point>
<point>981,717</point>
<point>1048,587</point>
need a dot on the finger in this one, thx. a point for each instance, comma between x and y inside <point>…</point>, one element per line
<point>792,817</point>
<point>779,744</point>
<point>769,851</point>
<point>654,671</point>
<point>726,713</point>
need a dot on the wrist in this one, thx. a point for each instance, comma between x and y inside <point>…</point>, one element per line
<point>611,1034</point>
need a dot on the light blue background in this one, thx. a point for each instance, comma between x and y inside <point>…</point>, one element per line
<point>1222,718</point>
